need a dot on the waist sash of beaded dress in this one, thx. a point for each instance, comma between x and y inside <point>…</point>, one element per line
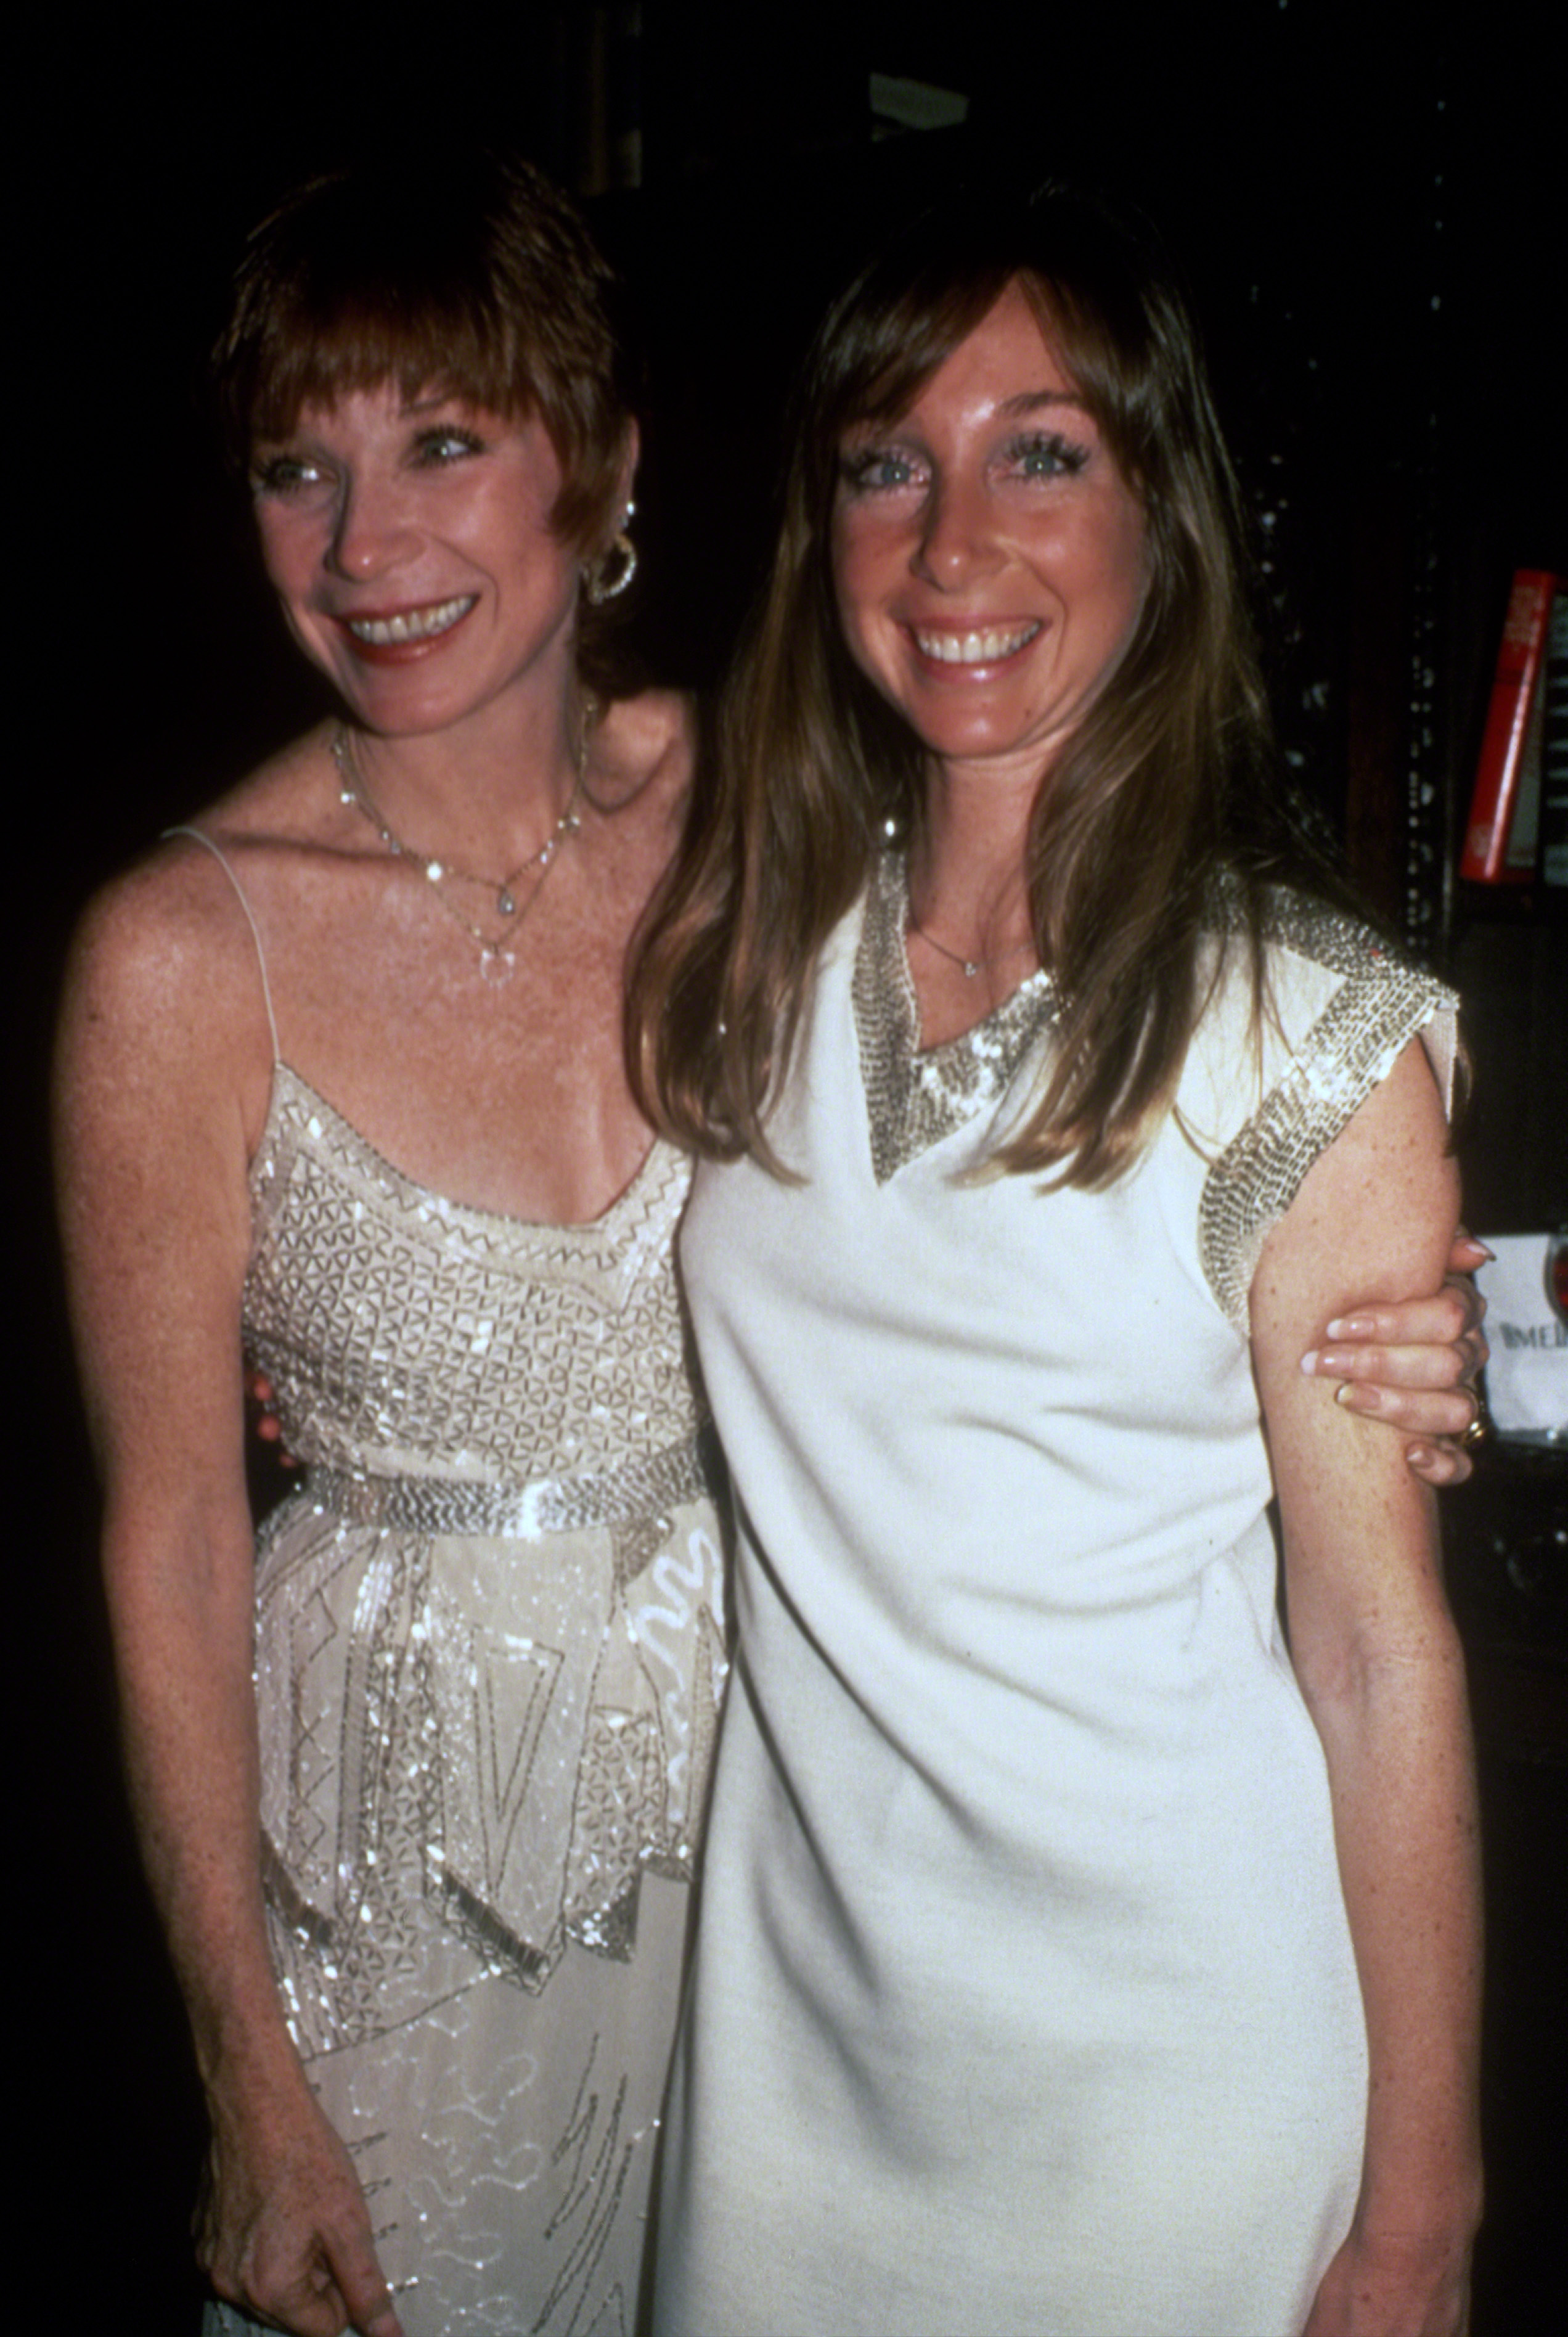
<point>496,1696</point>
<point>527,1675</point>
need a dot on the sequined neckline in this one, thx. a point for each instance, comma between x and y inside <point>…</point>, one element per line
<point>631,1199</point>
<point>916,1097</point>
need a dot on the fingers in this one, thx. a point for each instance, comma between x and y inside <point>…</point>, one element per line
<point>313,2302</point>
<point>313,2309</point>
<point>1441,1420</point>
<point>1423,1388</point>
<point>307,2282</point>
<point>1470,1297</point>
<point>1442,1320</point>
<point>1467,1254</point>
<point>1424,1413</point>
<point>1438,1463</point>
<point>1432,1370</point>
<point>367,2298</point>
<point>1423,1343</point>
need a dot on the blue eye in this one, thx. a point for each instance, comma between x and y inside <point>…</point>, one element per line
<point>447,444</point>
<point>876,470</point>
<point>1045,454</point>
<point>285,475</point>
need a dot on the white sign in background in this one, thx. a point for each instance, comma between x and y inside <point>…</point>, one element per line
<point>1527,1376</point>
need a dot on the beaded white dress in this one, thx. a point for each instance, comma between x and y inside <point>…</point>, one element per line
<point>1022,1997</point>
<point>490,1656</point>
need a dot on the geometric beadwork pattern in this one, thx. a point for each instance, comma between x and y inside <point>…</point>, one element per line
<point>391,1320</point>
<point>489,1642</point>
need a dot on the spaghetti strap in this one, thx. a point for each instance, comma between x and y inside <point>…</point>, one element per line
<point>205,842</point>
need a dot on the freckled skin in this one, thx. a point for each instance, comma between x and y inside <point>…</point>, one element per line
<point>993,502</point>
<point>372,507</point>
<point>945,524</point>
<point>513,1100</point>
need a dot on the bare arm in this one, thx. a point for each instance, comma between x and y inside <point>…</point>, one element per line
<point>1381,1670</point>
<point>156,1078</point>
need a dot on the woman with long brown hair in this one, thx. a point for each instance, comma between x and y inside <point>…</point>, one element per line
<point>1088,1937</point>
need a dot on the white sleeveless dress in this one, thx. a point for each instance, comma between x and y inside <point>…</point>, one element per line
<point>489,1658</point>
<point>1023,1998</point>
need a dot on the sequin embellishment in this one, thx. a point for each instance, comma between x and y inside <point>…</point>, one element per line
<point>489,1624</point>
<point>1379,1005</point>
<point>915,1098</point>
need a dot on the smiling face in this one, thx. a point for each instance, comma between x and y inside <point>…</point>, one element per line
<point>412,548</point>
<point>989,558</point>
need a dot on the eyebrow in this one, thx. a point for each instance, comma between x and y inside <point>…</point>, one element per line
<point>411,412</point>
<point>1024,402</point>
<point>1031,401</point>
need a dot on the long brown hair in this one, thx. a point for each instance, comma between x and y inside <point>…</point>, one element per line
<point>1168,788</point>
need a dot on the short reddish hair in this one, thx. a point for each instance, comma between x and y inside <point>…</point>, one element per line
<point>476,276</point>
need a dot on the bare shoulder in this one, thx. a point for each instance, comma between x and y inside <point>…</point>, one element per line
<point>289,799</point>
<point>644,750</point>
<point>157,938</point>
<point>163,977</point>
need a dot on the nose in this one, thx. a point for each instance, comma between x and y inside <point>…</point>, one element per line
<point>956,539</point>
<point>371,531</point>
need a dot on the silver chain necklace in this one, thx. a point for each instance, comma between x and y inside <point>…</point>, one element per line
<point>497,958</point>
<point>968,966</point>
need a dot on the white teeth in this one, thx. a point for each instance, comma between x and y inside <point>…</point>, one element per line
<point>975,649</point>
<point>418,625</point>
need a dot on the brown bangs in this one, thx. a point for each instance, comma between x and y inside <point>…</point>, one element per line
<point>872,367</point>
<point>908,313</point>
<point>302,360</point>
<point>480,283</point>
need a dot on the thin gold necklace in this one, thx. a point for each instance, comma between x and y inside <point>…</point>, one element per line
<point>497,958</point>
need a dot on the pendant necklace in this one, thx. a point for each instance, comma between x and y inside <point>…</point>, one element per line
<point>497,957</point>
<point>968,966</point>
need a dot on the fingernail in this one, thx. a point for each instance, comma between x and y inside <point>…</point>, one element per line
<point>1351,1326</point>
<point>1309,1362</point>
<point>1355,1397</point>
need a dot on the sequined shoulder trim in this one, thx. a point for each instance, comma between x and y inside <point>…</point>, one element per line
<point>1379,1006</point>
<point>915,1098</point>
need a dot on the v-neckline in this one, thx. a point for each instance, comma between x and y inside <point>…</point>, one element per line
<point>917,1096</point>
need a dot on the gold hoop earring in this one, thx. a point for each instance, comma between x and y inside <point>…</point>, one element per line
<point>613,570</point>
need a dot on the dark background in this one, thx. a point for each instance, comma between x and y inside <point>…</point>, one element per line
<point>1365,207</point>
